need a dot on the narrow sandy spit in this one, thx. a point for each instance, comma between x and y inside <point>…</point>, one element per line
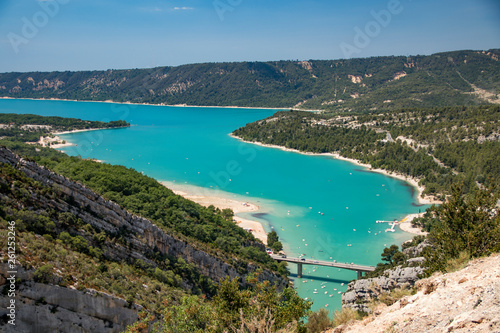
<point>405,225</point>
<point>57,142</point>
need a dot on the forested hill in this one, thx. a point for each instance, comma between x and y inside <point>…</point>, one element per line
<point>363,85</point>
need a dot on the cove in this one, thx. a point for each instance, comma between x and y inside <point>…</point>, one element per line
<point>321,208</point>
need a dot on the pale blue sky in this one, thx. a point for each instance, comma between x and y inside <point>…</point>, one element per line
<point>47,35</point>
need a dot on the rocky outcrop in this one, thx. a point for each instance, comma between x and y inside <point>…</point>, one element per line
<point>360,292</point>
<point>49,308</point>
<point>464,301</point>
<point>416,251</point>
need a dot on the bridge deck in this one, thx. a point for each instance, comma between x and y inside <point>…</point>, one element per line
<point>352,267</point>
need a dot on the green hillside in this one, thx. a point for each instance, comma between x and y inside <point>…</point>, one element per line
<point>361,85</point>
<point>30,127</point>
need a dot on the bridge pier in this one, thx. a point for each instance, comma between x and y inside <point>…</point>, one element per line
<point>299,269</point>
<point>360,274</point>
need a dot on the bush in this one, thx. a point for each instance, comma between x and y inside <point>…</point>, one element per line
<point>345,316</point>
<point>392,297</point>
<point>469,224</point>
<point>319,321</point>
<point>43,274</point>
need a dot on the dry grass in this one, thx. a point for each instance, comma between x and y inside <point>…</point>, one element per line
<point>345,316</point>
<point>262,325</point>
<point>457,264</point>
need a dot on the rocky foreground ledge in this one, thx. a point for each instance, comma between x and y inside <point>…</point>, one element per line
<point>464,301</point>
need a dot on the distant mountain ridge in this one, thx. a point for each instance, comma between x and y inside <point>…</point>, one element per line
<point>362,85</point>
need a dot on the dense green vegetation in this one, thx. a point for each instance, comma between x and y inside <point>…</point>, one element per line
<point>439,146</point>
<point>273,241</point>
<point>466,226</point>
<point>361,85</point>
<point>263,309</point>
<point>29,127</point>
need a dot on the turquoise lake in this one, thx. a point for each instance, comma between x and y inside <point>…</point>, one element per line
<point>321,207</point>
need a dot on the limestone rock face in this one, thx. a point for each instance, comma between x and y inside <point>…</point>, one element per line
<point>416,251</point>
<point>50,308</point>
<point>464,301</point>
<point>362,291</point>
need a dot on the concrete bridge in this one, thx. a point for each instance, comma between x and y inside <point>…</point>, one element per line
<point>360,269</point>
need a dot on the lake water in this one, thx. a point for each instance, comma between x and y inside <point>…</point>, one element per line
<point>320,207</point>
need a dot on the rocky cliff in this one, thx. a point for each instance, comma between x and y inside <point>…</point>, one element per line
<point>50,308</point>
<point>464,301</point>
<point>360,292</point>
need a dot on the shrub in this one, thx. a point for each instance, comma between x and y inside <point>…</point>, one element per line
<point>345,316</point>
<point>319,321</point>
<point>43,274</point>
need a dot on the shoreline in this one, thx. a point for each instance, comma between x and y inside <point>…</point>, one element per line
<point>405,225</point>
<point>46,141</point>
<point>109,101</point>
<point>427,200</point>
<point>222,200</point>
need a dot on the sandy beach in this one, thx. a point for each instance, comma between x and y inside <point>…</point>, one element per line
<point>82,130</point>
<point>54,142</point>
<point>221,200</point>
<point>406,226</point>
<point>161,104</point>
<point>57,142</point>
<point>426,200</point>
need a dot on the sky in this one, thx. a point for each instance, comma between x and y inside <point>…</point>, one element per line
<point>50,35</point>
